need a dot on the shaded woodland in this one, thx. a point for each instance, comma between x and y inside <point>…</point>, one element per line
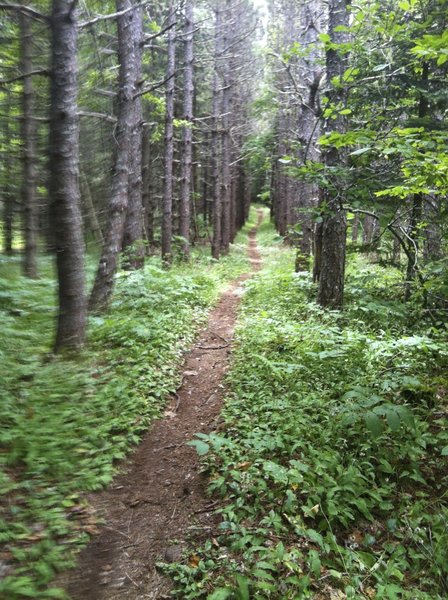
<point>140,144</point>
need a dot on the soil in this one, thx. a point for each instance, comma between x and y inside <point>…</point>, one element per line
<point>159,500</point>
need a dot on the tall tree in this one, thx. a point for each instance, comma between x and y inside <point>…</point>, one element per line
<point>64,177</point>
<point>334,225</point>
<point>167,201</point>
<point>215,141</point>
<point>8,195</point>
<point>133,230</point>
<point>226,181</point>
<point>29,148</point>
<point>187,146</point>
<point>128,25</point>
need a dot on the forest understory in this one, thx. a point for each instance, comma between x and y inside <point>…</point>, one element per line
<point>325,470</point>
<point>224,299</point>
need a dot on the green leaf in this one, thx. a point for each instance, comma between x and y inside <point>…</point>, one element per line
<point>360,151</point>
<point>220,594</point>
<point>243,588</point>
<point>374,423</point>
<point>445,451</point>
<point>201,447</point>
<point>315,563</point>
<point>393,419</point>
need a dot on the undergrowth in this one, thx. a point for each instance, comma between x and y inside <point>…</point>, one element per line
<point>65,424</point>
<point>331,462</point>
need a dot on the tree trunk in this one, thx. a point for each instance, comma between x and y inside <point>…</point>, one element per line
<point>417,203</point>
<point>226,190</point>
<point>118,203</point>
<point>29,149</point>
<point>64,174</point>
<point>133,242</point>
<point>90,210</point>
<point>187,146</point>
<point>216,141</point>
<point>334,226</point>
<point>167,219</point>
<point>432,249</point>
<point>355,229</point>
<point>149,205</point>
<point>8,196</point>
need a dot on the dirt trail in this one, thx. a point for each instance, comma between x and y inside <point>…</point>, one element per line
<point>160,496</point>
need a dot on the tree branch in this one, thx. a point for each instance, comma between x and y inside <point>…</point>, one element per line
<point>96,115</point>
<point>24,76</point>
<point>28,10</point>
<point>112,15</point>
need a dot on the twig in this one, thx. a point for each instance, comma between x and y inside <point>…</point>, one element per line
<point>220,337</point>
<point>130,579</point>
<point>116,531</point>
<point>178,401</point>
<point>213,347</point>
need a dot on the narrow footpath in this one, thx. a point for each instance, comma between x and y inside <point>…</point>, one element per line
<point>159,500</point>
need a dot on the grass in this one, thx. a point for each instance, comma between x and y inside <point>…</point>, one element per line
<point>66,423</point>
<point>331,463</point>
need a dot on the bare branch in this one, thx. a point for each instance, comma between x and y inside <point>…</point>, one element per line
<point>112,15</point>
<point>96,115</point>
<point>24,76</point>
<point>27,10</point>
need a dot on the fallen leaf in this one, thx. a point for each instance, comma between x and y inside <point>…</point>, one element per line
<point>193,561</point>
<point>244,465</point>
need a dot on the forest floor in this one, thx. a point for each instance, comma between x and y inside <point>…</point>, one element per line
<point>160,498</point>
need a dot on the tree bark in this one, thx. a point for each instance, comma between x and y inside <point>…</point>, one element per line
<point>226,191</point>
<point>133,243</point>
<point>149,205</point>
<point>90,210</point>
<point>119,194</point>
<point>355,229</point>
<point>64,178</point>
<point>187,146</point>
<point>417,203</point>
<point>167,201</point>
<point>334,226</point>
<point>29,149</point>
<point>216,142</point>
<point>8,196</point>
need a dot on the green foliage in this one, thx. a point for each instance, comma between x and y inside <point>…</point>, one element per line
<point>330,463</point>
<point>65,424</point>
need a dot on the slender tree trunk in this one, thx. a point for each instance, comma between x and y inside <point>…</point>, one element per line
<point>167,201</point>
<point>226,190</point>
<point>215,142</point>
<point>317,266</point>
<point>118,203</point>
<point>334,226</point>
<point>432,249</point>
<point>204,181</point>
<point>90,210</point>
<point>8,197</point>
<point>187,146</point>
<point>29,149</point>
<point>355,229</point>
<point>64,174</point>
<point>417,203</point>
<point>133,242</point>
<point>149,205</point>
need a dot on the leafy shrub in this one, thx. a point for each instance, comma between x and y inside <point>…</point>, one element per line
<point>331,461</point>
